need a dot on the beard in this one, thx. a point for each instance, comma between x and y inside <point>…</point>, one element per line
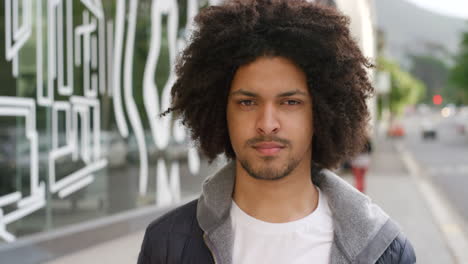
<point>269,173</point>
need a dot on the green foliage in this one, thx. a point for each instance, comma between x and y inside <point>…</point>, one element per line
<point>405,89</point>
<point>459,73</point>
<point>433,72</point>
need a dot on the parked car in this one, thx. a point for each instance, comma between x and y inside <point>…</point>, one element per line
<point>396,130</point>
<point>428,130</point>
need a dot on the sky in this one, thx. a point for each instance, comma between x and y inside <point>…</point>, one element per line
<point>457,8</point>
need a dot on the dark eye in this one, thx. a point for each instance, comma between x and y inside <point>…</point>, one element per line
<point>292,102</point>
<point>246,102</point>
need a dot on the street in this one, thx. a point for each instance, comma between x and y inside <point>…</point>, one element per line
<point>444,160</point>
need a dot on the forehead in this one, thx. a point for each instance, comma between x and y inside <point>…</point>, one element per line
<point>270,76</point>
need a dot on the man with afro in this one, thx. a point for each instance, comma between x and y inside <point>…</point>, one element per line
<point>279,87</point>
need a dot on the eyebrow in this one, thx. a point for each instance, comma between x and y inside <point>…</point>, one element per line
<point>285,94</point>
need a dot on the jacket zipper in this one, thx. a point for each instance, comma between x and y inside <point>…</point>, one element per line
<point>208,244</point>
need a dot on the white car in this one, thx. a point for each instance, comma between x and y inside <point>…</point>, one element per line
<point>428,129</point>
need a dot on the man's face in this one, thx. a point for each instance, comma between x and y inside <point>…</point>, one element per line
<point>269,116</point>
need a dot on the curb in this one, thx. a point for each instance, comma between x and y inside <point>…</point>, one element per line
<point>445,216</point>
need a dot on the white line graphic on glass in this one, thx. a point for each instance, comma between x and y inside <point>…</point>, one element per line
<point>130,104</point>
<point>22,107</point>
<point>160,127</point>
<point>81,108</point>
<point>55,50</point>
<point>55,47</point>
<point>15,35</point>
<point>117,59</point>
<point>167,192</point>
<point>179,129</point>
<point>52,45</point>
<point>110,52</point>
<point>41,99</point>
<point>85,109</point>
<point>84,32</point>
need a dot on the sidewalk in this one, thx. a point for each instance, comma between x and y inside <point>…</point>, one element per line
<point>391,187</point>
<point>120,251</point>
<point>388,183</point>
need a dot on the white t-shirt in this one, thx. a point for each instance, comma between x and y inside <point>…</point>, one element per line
<point>307,240</point>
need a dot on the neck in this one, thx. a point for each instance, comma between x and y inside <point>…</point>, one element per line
<point>288,199</point>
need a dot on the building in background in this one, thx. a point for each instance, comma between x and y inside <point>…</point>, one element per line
<point>364,28</point>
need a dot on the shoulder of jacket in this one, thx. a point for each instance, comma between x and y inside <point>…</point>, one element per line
<point>180,220</point>
<point>399,251</point>
<point>171,227</point>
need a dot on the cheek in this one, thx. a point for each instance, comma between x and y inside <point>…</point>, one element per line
<point>301,128</point>
<point>239,131</point>
<point>236,129</point>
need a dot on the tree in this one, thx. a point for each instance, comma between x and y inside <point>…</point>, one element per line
<point>433,72</point>
<point>459,73</point>
<point>404,88</point>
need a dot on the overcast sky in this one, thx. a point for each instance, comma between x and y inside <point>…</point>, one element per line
<point>458,8</point>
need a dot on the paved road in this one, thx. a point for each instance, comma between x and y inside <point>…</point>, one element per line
<point>444,160</point>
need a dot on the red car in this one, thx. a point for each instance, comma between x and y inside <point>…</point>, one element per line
<point>396,130</point>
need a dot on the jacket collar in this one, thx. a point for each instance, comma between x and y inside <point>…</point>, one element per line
<point>361,229</point>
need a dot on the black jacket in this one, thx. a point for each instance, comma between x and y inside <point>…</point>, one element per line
<point>177,238</point>
<point>200,231</point>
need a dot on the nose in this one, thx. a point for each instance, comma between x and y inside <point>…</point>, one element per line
<point>267,121</point>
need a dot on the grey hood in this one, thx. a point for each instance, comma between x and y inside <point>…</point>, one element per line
<point>362,231</point>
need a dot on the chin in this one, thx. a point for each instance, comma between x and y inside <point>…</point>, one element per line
<point>269,172</point>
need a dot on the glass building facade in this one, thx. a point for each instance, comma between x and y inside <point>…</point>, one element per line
<point>82,84</point>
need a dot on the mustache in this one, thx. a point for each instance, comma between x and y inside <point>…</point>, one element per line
<point>276,139</point>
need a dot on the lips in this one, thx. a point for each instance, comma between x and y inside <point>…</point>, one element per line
<point>268,148</point>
